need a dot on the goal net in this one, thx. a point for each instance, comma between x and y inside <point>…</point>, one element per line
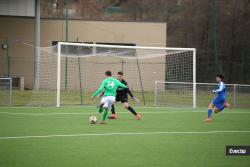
<point>5,91</point>
<point>68,73</point>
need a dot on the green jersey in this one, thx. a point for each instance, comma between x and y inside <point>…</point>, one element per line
<point>110,85</point>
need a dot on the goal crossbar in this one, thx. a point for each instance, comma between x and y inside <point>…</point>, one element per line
<point>126,47</point>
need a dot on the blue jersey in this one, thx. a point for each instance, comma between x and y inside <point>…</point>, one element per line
<point>220,97</point>
<point>221,91</point>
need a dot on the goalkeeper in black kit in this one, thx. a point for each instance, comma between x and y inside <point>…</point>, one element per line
<point>122,96</point>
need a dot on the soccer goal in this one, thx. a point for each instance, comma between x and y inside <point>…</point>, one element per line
<point>5,91</point>
<point>70,72</point>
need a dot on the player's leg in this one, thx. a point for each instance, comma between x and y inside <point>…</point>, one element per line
<point>104,107</point>
<point>100,107</point>
<point>131,109</point>
<point>209,112</point>
<point>227,105</point>
<point>105,113</point>
<point>109,101</point>
<point>217,105</point>
<point>220,105</point>
<point>218,109</point>
<point>114,115</point>
<point>113,109</point>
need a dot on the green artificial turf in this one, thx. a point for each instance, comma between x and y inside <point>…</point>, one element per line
<point>156,140</point>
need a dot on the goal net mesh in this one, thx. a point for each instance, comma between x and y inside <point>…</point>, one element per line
<point>5,92</point>
<point>82,71</point>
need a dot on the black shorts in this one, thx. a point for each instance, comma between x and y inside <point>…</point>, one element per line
<point>122,99</point>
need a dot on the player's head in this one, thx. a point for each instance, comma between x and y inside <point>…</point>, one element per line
<point>120,75</point>
<point>219,77</point>
<point>108,73</point>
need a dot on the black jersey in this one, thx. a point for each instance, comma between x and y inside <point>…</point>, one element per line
<point>123,93</point>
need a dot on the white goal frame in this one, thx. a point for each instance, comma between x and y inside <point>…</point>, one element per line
<point>124,47</point>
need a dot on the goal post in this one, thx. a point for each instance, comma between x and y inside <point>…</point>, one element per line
<point>194,79</point>
<point>86,64</point>
<point>58,75</point>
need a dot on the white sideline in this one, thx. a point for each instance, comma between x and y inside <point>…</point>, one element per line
<point>125,133</point>
<point>93,113</point>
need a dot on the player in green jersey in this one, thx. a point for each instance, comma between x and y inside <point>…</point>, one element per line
<point>110,85</point>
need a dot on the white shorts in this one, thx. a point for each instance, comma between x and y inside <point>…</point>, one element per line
<point>108,101</point>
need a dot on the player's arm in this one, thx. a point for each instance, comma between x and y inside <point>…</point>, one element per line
<point>129,92</point>
<point>131,95</point>
<point>101,94</point>
<point>220,88</point>
<point>99,89</point>
<point>121,84</point>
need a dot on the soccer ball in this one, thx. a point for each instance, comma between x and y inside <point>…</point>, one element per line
<point>92,119</point>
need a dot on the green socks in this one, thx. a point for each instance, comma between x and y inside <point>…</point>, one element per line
<point>104,116</point>
<point>100,109</point>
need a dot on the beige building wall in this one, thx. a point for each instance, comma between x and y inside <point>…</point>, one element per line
<point>19,30</point>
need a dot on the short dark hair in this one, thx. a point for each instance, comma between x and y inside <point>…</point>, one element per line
<point>108,73</point>
<point>220,76</point>
<point>120,73</point>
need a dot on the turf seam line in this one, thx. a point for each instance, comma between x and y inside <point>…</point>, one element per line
<point>125,133</point>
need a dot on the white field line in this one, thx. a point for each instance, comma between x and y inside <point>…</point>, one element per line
<point>115,134</point>
<point>93,113</point>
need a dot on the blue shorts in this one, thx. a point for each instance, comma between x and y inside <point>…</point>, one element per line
<point>218,102</point>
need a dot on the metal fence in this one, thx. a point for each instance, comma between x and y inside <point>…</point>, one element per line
<point>181,94</point>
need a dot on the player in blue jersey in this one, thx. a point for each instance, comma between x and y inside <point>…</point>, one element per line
<point>219,101</point>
